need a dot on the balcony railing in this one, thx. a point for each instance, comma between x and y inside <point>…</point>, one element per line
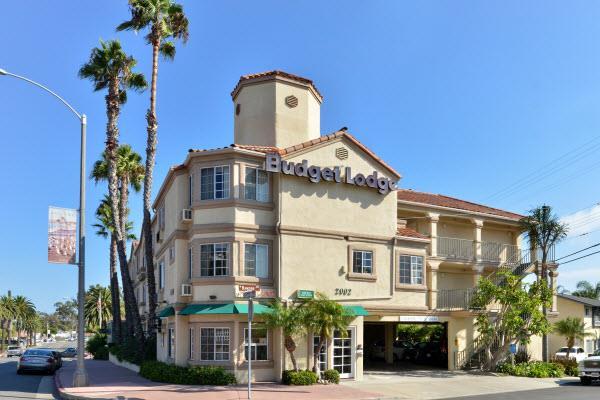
<point>455,299</point>
<point>498,252</point>
<point>456,249</point>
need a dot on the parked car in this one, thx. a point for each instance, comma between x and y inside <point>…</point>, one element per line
<point>37,360</point>
<point>69,352</point>
<point>56,355</point>
<point>14,351</point>
<point>430,353</point>
<point>399,350</point>
<point>576,353</point>
<point>589,368</point>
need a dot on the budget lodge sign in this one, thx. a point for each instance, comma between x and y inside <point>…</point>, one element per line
<point>315,174</point>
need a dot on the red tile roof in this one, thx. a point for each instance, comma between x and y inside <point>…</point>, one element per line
<point>451,202</point>
<point>310,143</point>
<point>411,233</point>
<point>274,74</point>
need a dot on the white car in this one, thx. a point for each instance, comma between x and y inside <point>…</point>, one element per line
<point>589,368</point>
<point>14,351</point>
<point>576,353</point>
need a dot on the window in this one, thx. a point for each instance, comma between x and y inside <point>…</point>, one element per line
<point>190,264</point>
<point>588,312</point>
<point>214,259</point>
<point>192,343</point>
<point>171,343</point>
<point>191,189</point>
<point>172,253</point>
<point>256,186</point>
<point>322,353</point>
<point>161,275</point>
<point>161,218</point>
<point>259,345</point>
<point>256,260</point>
<point>411,270</point>
<point>214,344</point>
<point>214,183</point>
<point>362,262</point>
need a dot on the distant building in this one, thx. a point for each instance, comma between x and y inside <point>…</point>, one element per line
<point>589,312</point>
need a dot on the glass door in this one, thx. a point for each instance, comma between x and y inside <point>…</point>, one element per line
<point>343,353</point>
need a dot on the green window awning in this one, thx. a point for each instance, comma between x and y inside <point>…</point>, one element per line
<point>166,312</point>
<point>356,310</point>
<point>230,308</point>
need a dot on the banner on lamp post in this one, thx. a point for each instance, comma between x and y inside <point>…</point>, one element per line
<point>62,235</point>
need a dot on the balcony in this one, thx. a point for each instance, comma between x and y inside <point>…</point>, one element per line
<point>466,250</point>
<point>455,299</point>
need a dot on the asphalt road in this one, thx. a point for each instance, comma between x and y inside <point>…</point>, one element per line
<point>567,391</point>
<point>29,386</point>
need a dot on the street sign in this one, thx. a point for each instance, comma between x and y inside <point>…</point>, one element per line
<point>305,294</point>
<point>250,294</point>
<point>513,348</point>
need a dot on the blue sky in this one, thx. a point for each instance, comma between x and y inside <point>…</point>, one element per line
<point>463,98</point>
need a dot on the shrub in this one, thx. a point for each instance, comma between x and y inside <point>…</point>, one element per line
<point>299,378</point>
<point>97,347</point>
<point>168,373</point>
<point>129,350</point>
<point>533,369</point>
<point>331,376</point>
<point>570,365</point>
<point>522,356</point>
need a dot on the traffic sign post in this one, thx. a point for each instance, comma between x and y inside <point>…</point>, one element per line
<point>250,295</point>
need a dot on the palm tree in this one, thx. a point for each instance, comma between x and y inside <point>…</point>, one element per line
<point>290,320</point>
<point>110,68</point>
<point>324,317</point>
<point>97,307</point>
<point>586,289</point>
<point>7,315</point>
<point>572,328</point>
<point>165,20</point>
<point>23,311</point>
<point>544,230</point>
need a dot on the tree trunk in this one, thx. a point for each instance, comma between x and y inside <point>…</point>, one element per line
<point>495,358</point>
<point>114,292</point>
<point>318,350</point>
<point>290,346</point>
<point>112,133</point>
<point>151,129</point>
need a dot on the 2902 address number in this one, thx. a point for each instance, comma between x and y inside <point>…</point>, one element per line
<point>343,292</point>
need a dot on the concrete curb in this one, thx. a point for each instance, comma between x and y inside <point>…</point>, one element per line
<point>69,396</point>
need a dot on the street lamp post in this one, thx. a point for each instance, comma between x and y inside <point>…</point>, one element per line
<point>80,378</point>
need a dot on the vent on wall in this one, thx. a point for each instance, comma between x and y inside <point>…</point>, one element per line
<point>291,101</point>
<point>341,153</point>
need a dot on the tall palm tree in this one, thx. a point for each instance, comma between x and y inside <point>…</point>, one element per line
<point>324,317</point>
<point>109,67</point>
<point>572,328</point>
<point>7,315</point>
<point>544,230</point>
<point>165,20</point>
<point>290,320</point>
<point>24,310</point>
<point>97,307</point>
<point>586,289</point>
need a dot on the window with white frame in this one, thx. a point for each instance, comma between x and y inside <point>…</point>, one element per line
<point>161,275</point>
<point>191,344</point>
<point>322,353</point>
<point>214,183</point>
<point>214,259</point>
<point>171,343</point>
<point>362,262</point>
<point>259,345</point>
<point>256,184</point>
<point>190,263</point>
<point>256,260</point>
<point>411,270</point>
<point>214,344</point>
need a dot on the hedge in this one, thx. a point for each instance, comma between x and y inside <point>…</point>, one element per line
<point>533,369</point>
<point>168,373</point>
<point>298,378</point>
<point>331,376</point>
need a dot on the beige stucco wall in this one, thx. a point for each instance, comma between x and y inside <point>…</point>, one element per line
<point>570,308</point>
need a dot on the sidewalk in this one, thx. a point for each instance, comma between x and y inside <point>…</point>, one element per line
<point>108,381</point>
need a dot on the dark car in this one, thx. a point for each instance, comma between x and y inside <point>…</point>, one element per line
<point>41,360</point>
<point>69,352</point>
<point>431,353</point>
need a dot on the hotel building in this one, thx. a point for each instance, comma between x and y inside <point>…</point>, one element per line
<point>289,212</point>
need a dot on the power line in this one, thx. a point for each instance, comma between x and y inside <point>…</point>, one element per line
<point>578,251</point>
<point>579,258</point>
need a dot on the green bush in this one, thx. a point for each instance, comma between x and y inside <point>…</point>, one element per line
<point>129,350</point>
<point>97,347</point>
<point>570,366</point>
<point>522,356</point>
<point>533,369</point>
<point>168,373</point>
<point>331,376</point>
<point>299,378</point>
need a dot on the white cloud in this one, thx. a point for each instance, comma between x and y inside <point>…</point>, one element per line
<point>583,221</point>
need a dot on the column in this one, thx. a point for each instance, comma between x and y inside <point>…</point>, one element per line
<point>477,238</point>
<point>477,273</point>
<point>432,285</point>
<point>553,274</point>
<point>433,219</point>
<point>390,335</point>
<point>234,344</point>
<point>182,340</point>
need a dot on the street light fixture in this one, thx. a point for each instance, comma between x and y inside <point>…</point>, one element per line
<point>80,378</point>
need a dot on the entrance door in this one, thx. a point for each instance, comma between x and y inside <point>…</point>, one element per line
<point>343,353</point>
